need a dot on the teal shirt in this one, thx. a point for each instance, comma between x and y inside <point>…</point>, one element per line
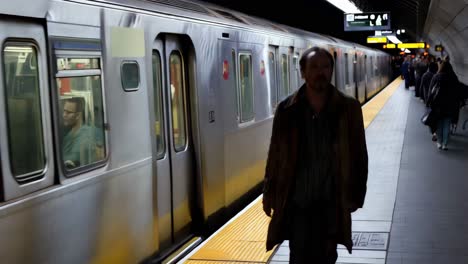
<point>79,147</point>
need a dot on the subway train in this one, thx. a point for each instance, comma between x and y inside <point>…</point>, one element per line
<point>133,128</point>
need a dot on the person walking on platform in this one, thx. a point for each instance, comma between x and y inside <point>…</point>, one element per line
<point>426,80</point>
<point>444,101</point>
<point>316,172</point>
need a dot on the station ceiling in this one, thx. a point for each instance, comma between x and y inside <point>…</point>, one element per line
<point>322,17</point>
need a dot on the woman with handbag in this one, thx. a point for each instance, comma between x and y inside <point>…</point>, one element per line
<point>443,101</point>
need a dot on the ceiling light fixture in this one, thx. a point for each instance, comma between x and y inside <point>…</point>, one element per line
<point>345,5</point>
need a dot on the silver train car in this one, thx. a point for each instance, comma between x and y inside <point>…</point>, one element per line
<point>130,127</point>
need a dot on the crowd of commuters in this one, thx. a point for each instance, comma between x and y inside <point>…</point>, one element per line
<point>437,85</point>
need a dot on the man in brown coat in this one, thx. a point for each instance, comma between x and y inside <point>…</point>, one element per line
<point>316,171</point>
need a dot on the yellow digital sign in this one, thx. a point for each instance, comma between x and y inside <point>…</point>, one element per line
<point>379,39</point>
<point>389,46</point>
<point>416,45</point>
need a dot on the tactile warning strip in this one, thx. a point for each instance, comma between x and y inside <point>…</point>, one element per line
<point>243,240</point>
<point>373,107</point>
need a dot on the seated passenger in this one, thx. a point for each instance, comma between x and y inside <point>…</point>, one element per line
<point>78,144</point>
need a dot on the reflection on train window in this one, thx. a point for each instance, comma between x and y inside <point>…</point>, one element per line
<point>82,114</point>
<point>178,103</point>
<point>272,71</point>
<point>77,63</point>
<point>246,87</point>
<point>284,92</point>
<point>158,112</point>
<point>130,75</point>
<point>24,119</point>
<point>346,68</point>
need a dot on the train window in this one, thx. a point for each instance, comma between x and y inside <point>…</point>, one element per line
<point>284,77</point>
<point>82,114</point>
<point>23,107</point>
<point>346,68</point>
<point>158,112</point>
<point>77,63</point>
<point>130,76</point>
<point>272,71</point>
<point>178,103</point>
<point>246,88</point>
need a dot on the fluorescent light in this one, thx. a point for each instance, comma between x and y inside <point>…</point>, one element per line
<point>345,5</point>
<point>407,51</point>
<point>394,39</point>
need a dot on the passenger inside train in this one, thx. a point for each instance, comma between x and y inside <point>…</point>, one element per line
<point>78,142</point>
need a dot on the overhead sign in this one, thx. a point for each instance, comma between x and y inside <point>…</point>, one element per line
<point>367,21</point>
<point>384,33</point>
<point>439,48</point>
<point>376,39</point>
<point>390,46</point>
<point>416,45</point>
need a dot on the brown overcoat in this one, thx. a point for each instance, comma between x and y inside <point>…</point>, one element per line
<point>351,158</point>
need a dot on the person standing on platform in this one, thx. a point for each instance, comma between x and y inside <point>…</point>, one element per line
<point>444,100</point>
<point>420,69</point>
<point>316,172</point>
<point>405,72</point>
<point>426,80</point>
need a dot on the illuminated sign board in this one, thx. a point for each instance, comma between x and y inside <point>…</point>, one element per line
<point>439,48</point>
<point>384,33</point>
<point>367,21</point>
<point>416,45</point>
<point>389,46</point>
<point>377,39</point>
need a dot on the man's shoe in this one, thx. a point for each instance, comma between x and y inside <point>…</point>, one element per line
<point>444,147</point>
<point>439,146</point>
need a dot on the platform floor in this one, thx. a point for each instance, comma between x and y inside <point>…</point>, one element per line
<point>415,204</point>
<point>430,220</point>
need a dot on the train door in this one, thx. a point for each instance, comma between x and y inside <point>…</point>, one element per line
<point>333,81</point>
<point>173,142</point>
<point>273,70</point>
<point>360,78</point>
<point>27,162</point>
<point>355,75</point>
<point>335,75</point>
<point>284,90</point>
<point>294,70</point>
<point>366,79</point>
